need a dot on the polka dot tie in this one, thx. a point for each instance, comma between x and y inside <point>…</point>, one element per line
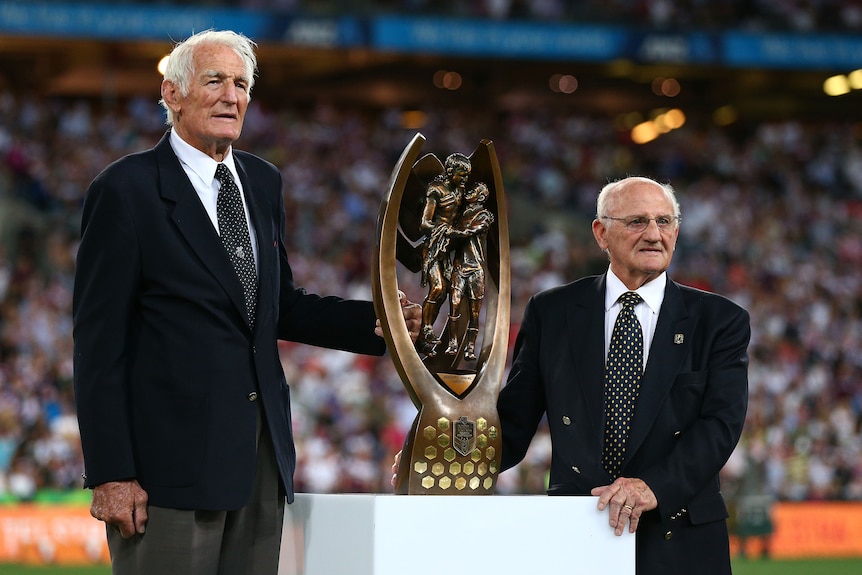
<point>622,381</point>
<point>233,229</point>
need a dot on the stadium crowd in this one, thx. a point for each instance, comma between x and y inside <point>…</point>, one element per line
<point>772,218</point>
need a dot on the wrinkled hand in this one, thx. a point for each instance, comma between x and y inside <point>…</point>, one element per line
<point>394,477</point>
<point>626,499</point>
<point>122,504</point>
<point>412,317</point>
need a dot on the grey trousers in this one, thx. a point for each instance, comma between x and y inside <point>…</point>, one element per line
<point>179,542</point>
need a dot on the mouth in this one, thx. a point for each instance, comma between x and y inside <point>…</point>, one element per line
<point>651,250</point>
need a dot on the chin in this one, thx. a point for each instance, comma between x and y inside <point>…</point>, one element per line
<point>654,270</point>
<point>228,135</point>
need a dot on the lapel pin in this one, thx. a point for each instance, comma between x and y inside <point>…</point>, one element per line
<point>678,338</point>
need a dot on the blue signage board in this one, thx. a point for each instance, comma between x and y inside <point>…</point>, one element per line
<point>489,38</point>
<point>681,48</point>
<point>130,21</point>
<point>324,32</point>
<point>437,35</point>
<point>792,51</point>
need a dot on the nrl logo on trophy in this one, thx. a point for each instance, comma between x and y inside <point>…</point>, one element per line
<point>445,223</point>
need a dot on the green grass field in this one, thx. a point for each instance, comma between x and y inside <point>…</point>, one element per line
<point>795,567</point>
<point>740,567</point>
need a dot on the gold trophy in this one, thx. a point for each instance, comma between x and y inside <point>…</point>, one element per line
<point>446,221</point>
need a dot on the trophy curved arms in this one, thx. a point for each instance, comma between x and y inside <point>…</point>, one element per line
<point>454,444</point>
<point>384,285</point>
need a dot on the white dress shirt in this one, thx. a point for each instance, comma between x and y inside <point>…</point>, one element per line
<point>652,293</point>
<point>201,169</point>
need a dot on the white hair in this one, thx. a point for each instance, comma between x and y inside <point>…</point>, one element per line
<point>611,188</point>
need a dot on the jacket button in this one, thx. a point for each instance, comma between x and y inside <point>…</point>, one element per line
<point>576,469</point>
<point>566,420</point>
<point>677,433</point>
<point>668,535</point>
<point>252,396</point>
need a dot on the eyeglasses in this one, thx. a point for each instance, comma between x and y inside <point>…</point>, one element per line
<point>638,224</point>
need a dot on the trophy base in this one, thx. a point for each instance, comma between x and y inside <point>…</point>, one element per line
<point>448,455</point>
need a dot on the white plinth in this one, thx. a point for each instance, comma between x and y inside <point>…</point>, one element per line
<point>430,535</point>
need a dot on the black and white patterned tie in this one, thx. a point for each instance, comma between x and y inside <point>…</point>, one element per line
<point>233,229</point>
<point>622,380</point>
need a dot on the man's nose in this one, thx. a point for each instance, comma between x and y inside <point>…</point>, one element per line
<point>230,93</point>
<point>652,230</point>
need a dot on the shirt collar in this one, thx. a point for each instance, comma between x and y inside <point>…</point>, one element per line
<point>199,163</point>
<point>652,292</point>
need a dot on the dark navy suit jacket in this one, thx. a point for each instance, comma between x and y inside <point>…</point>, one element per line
<point>168,374</point>
<point>688,417</point>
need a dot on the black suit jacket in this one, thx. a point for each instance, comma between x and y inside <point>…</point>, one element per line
<point>688,417</point>
<point>168,374</point>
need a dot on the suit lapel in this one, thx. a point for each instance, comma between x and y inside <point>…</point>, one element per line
<point>586,325</point>
<point>670,346</point>
<point>194,224</point>
<point>257,207</point>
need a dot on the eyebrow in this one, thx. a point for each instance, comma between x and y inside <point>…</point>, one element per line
<point>222,76</point>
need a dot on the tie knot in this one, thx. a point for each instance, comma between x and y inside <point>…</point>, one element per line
<point>223,174</point>
<point>630,299</point>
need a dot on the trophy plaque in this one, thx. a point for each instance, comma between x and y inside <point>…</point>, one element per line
<point>445,222</point>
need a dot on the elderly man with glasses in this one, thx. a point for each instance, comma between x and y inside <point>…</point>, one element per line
<point>644,385</point>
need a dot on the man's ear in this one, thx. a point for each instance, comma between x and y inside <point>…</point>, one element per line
<point>600,233</point>
<point>171,95</point>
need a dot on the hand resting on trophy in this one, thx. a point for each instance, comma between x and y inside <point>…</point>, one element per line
<point>412,317</point>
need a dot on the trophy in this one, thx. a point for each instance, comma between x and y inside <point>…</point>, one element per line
<point>446,223</point>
